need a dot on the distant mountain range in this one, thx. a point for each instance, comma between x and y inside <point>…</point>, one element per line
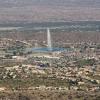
<point>49,10</point>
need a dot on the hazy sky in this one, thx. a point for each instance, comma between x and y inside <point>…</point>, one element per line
<point>49,10</point>
<point>9,3</point>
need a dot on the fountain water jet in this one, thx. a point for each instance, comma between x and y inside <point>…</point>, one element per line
<point>49,47</point>
<point>49,43</point>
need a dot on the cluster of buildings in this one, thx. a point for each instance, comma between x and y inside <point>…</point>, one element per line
<point>77,66</point>
<point>74,78</point>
